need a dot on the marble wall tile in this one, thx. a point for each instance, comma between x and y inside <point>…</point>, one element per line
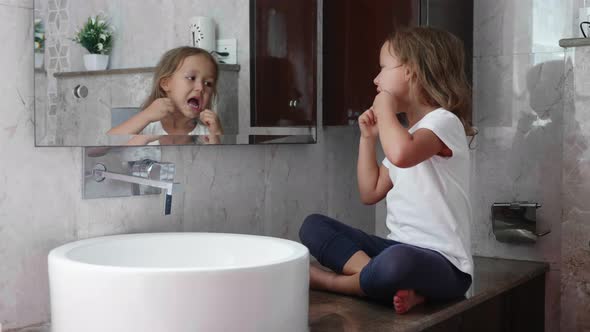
<point>34,213</point>
<point>222,196</point>
<point>18,3</point>
<point>575,244</point>
<point>82,121</point>
<point>250,196</point>
<point>518,106</point>
<point>520,123</point>
<point>296,169</point>
<point>41,105</point>
<point>507,27</point>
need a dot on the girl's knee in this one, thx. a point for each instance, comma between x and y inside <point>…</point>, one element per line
<point>392,267</point>
<point>309,224</point>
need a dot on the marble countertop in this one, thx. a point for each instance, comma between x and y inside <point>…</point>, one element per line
<point>222,67</point>
<point>574,42</point>
<point>331,312</point>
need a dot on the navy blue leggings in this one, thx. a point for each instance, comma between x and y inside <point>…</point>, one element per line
<point>394,266</point>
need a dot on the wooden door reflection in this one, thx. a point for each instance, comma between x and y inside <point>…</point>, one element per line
<point>285,43</point>
<point>353,32</point>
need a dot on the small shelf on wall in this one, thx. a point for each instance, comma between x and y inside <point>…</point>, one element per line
<point>124,71</point>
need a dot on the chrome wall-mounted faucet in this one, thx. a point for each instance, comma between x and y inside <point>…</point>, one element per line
<point>148,173</point>
<point>128,171</point>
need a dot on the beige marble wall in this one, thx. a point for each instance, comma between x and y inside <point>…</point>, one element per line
<point>575,233</point>
<point>518,107</point>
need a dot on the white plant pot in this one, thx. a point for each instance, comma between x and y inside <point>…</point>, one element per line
<point>39,57</point>
<point>96,61</point>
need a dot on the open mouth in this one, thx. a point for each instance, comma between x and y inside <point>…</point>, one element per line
<point>194,104</point>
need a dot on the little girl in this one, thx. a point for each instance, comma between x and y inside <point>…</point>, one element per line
<point>424,177</point>
<point>179,104</point>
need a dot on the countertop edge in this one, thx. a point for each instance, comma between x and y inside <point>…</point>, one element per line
<point>467,304</point>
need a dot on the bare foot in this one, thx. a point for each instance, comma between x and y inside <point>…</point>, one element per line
<point>404,300</point>
<point>319,278</point>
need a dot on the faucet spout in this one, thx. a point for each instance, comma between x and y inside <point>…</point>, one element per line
<point>100,173</point>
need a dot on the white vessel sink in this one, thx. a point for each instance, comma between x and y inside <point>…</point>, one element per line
<point>179,282</point>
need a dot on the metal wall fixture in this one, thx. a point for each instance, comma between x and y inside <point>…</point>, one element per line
<point>121,172</point>
<point>516,222</point>
<point>80,91</point>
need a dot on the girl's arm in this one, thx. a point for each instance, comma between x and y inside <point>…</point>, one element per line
<point>400,147</point>
<point>373,180</point>
<point>158,109</point>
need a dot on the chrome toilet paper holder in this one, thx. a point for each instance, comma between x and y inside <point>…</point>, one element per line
<point>516,222</point>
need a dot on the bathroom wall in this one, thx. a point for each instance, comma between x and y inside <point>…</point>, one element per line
<point>575,231</point>
<point>525,135</point>
<point>518,108</point>
<point>249,189</point>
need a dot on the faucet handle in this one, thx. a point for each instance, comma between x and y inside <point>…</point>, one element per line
<point>153,170</point>
<point>162,171</point>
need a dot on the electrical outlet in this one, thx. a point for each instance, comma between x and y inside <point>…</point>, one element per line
<point>584,16</point>
<point>227,51</point>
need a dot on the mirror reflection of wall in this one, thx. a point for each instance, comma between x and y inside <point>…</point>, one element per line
<point>285,90</point>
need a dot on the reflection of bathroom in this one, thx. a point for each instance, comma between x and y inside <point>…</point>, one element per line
<point>119,90</point>
<point>530,181</point>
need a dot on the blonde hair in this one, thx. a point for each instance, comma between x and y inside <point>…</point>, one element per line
<point>169,63</point>
<point>437,60</point>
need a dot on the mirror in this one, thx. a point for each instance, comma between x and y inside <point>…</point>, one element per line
<point>263,91</point>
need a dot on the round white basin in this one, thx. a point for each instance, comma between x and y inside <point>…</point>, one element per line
<point>179,282</point>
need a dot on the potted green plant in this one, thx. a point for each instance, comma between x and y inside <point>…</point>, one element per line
<point>39,43</point>
<point>96,36</point>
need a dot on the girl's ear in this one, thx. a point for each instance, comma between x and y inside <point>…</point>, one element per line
<point>165,84</point>
<point>408,73</point>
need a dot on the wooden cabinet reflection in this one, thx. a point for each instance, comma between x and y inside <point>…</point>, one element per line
<point>285,63</point>
<point>284,53</point>
<point>353,33</point>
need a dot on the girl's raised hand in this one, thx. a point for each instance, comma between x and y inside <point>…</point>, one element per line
<point>159,109</point>
<point>368,124</point>
<point>211,120</point>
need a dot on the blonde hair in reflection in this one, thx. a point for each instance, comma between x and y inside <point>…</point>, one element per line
<point>169,63</point>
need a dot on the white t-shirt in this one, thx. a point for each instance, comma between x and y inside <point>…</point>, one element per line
<point>155,128</point>
<point>429,206</point>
